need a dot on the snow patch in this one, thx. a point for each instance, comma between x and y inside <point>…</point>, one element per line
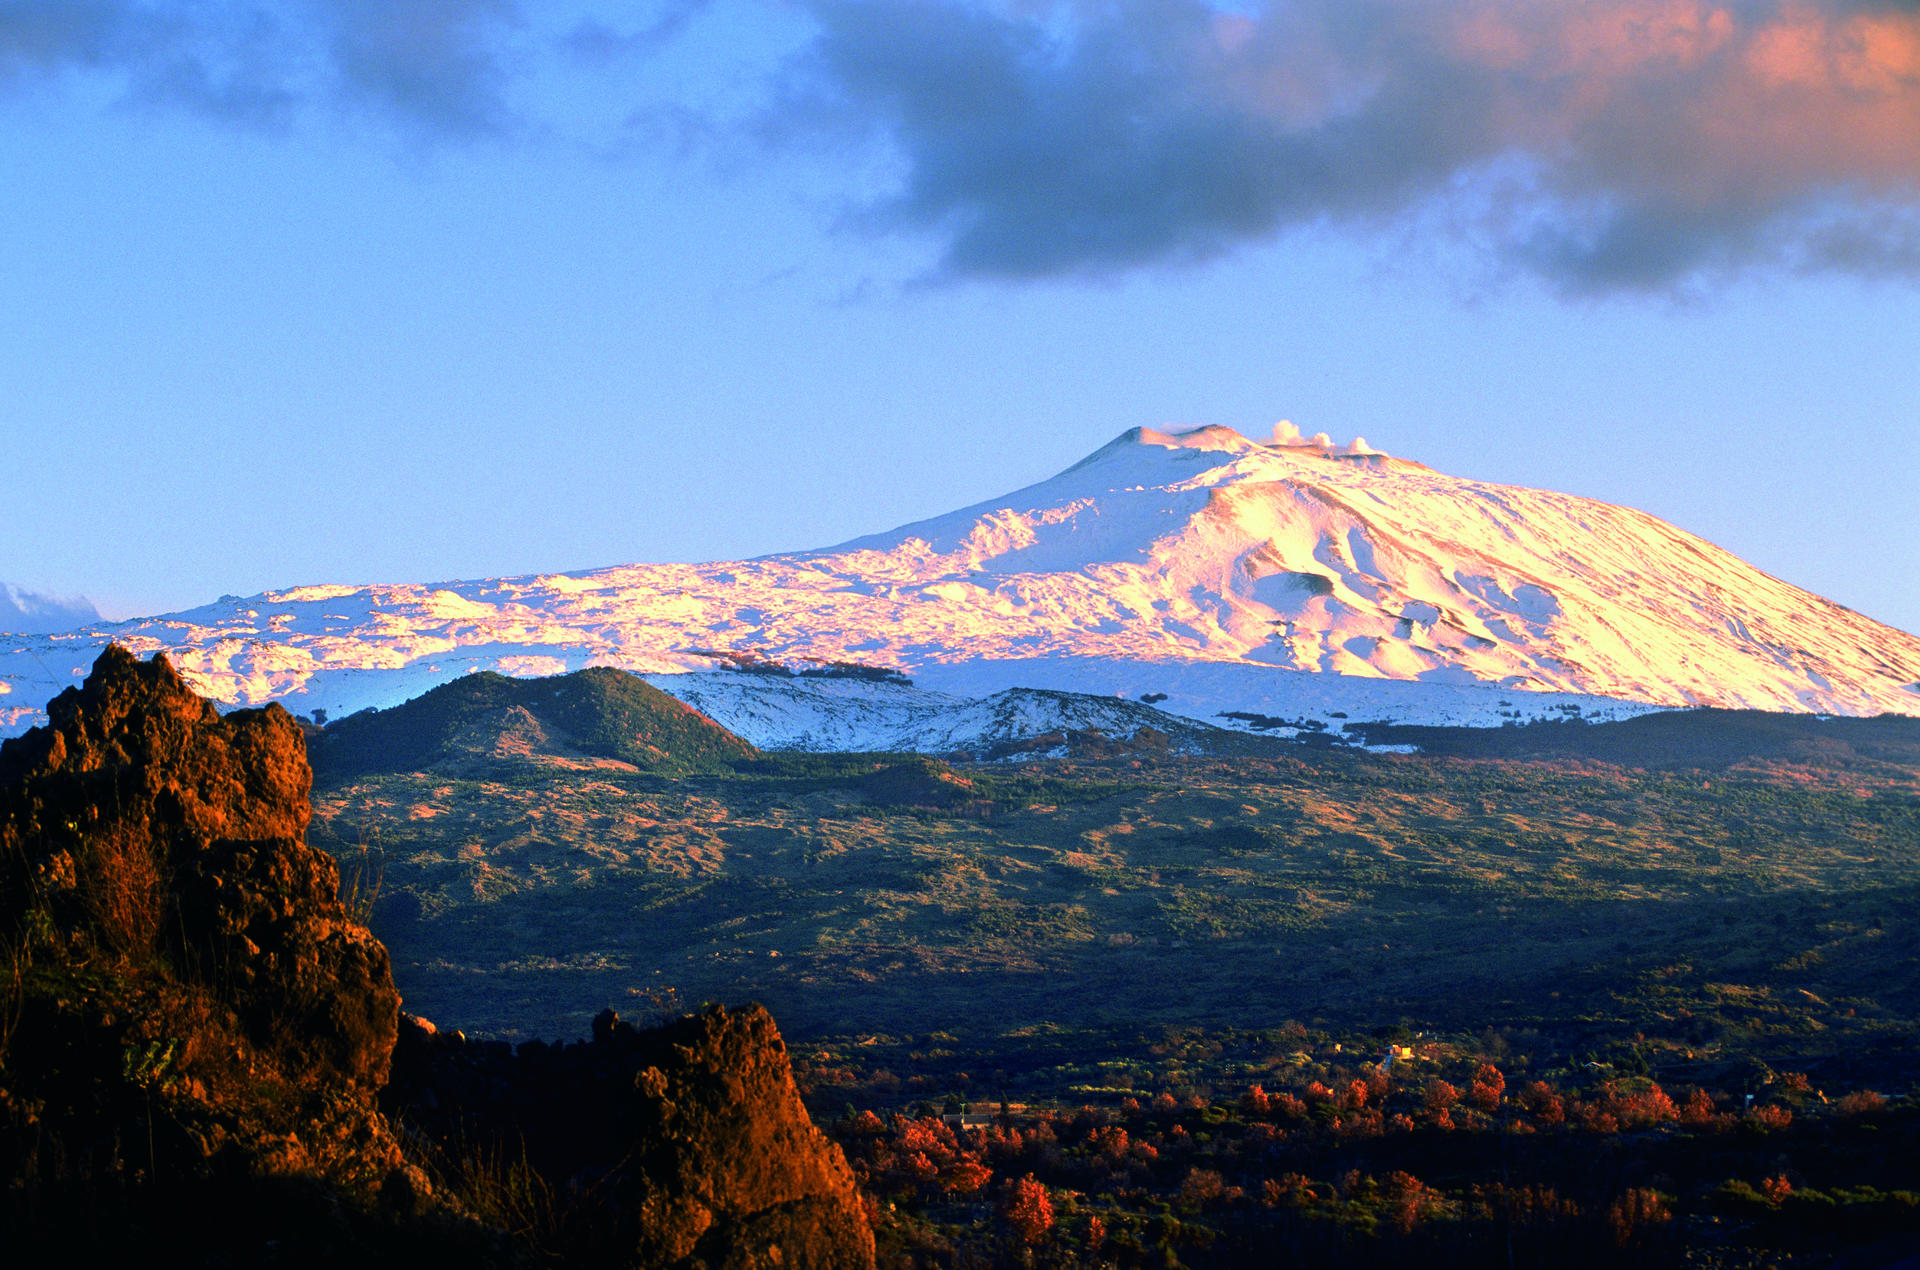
<point>310,594</point>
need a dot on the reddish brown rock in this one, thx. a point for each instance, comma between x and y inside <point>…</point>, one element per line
<point>194,1030</point>
<point>695,1128</point>
<point>144,826</point>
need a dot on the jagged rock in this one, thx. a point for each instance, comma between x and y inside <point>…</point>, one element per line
<point>194,1030</point>
<point>696,1127</point>
<point>154,874</point>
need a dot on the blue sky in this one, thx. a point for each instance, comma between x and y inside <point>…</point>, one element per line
<point>362,290</point>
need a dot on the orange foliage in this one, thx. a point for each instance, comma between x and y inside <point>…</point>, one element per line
<point>1861,1102</point>
<point>1618,1108</point>
<point>909,1155</point>
<point>1409,1201</point>
<point>1521,1205</point>
<point>1289,1190</point>
<point>1488,1085</point>
<point>1635,1214</point>
<point>1367,1122</point>
<point>1699,1109</point>
<point>1028,1210</point>
<point>1202,1187</point>
<point>1540,1102</point>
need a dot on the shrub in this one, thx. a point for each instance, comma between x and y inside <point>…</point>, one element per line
<point>1027,1210</point>
<point>1540,1102</point>
<point>1637,1214</point>
<point>1861,1102</point>
<point>1487,1088</point>
<point>1202,1187</point>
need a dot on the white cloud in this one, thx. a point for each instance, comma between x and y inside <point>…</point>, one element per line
<point>31,613</point>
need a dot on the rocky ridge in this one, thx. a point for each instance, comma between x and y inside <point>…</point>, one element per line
<point>197,1037</point>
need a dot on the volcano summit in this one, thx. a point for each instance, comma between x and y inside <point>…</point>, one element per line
<point>1218,575</point>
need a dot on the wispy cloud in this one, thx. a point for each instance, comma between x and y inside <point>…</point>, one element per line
<point>30,613</point>
<point>1605,144</point>
<point>593,41</point>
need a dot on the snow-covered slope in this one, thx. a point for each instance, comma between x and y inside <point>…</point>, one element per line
<point>849,714</point>
<point>1230,575</point>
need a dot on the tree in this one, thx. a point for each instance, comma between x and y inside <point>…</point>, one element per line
<point>1028,1210</point>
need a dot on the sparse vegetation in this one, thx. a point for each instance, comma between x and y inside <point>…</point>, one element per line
<point>486,721</point>
<point>1231,1147</point>
<point>1369,1009</point>
<point>1749,906</point>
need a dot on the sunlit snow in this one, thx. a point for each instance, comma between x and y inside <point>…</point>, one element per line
<point>1293,578</point>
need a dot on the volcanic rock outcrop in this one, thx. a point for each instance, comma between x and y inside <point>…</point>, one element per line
<point>194,1031</point>
<point>184,968</point>
<point>691,1135</point>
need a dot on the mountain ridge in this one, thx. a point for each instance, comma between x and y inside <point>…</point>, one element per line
<point>1161,559</point>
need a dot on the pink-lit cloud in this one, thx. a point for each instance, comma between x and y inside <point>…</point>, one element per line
<point>1604,143</point>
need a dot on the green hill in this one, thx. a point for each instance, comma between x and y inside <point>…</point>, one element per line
<point>481,721</point>
<point>1679,740</point>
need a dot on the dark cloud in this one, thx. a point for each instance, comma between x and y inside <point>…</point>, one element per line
<point>45,35</point>
<point>30,613</point>
<point>1605,144</point>
<point>431,62</point>
<point>429,65</point>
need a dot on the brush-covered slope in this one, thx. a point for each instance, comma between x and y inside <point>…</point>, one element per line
<point>1683,740</point>
<point>1187,554</point>
<point>572,720</point>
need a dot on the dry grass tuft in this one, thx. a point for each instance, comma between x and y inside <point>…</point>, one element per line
<point>123,883</point>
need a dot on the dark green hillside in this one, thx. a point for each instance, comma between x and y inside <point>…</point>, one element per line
<point>1679,740</point>
<point>1321,1007</point>
<point>488,720</point>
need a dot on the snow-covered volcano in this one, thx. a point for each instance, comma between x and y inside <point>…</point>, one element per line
<point>1231,576</point>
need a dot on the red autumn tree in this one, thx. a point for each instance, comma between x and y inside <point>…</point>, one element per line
<point>1028,1210</point>
<point>1488,1085</point>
